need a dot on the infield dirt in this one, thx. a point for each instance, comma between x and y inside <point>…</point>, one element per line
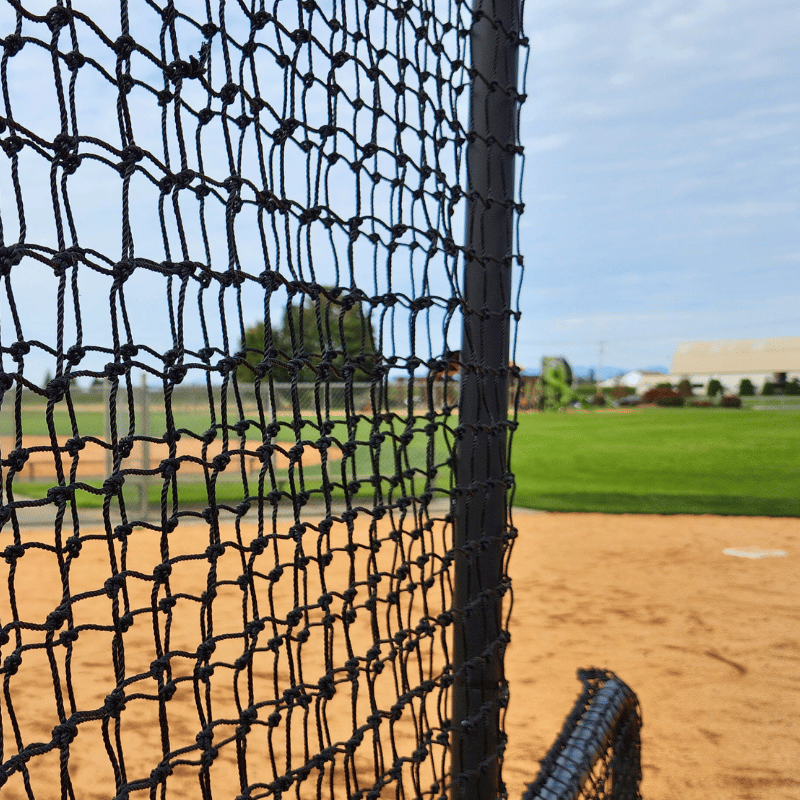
<point>710,643</point>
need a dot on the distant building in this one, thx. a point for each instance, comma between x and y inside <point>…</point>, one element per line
<point>639,379</point>
<point>730,360</point>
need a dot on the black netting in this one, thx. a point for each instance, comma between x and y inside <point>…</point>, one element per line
<point>232,250</point>
<point>597,754</point>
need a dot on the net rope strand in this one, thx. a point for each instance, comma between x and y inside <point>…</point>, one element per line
<point>231,248</point>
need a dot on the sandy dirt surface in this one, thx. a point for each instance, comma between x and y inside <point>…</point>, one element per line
<point>710,642</point>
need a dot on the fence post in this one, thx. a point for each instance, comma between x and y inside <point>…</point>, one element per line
<point>108,456</point>
<point>481,512</point>
<point>144,412</point>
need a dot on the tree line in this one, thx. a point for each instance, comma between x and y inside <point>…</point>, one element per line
<point>314,336</point>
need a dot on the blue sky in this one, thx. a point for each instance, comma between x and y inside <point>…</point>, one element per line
<point>662,176</point>
<point>661,181</point>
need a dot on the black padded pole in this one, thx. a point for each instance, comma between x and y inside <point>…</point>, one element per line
<point>480,522</point>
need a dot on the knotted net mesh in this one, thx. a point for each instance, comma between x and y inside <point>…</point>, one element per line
<point>231,248</point>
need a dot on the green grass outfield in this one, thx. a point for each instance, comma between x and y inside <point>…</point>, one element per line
<point>660,461</point>
<point>663,461</point>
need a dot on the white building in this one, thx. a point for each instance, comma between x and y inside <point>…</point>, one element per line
<point>760,360</point>
<point>639,379</point>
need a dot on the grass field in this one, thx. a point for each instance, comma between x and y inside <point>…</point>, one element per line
<point>664,461</point>
<point>660,461</point>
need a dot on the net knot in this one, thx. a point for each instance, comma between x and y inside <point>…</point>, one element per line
<point>57,388</point>
<point>13,44</point>
<point>228,93</point>
<point>161,572</point>
<point>55,619</point>
<point>167,691</point>
<point>253,628</point>
<point>122,270</point>
<point>160,773</point>
<point>220,462</point>
<point>68,636</point>
<point>340,59</point>
<point>158,666</point>
<point>227,365</point>
<point>179,70</point>
<point>75,354</point>
<point>177,373</point>
<point>57,17</point>
<point>205,649</point>
<point>204,116</point>
<point>301,36</point>
<point>124,46</point>
<point>13,552</point>
<point>264,452</point>
<point>209,30</point>
<point>113,585</point>
<point>12,663</point>
<point>73,546</point>
<point>64,734</point>
<point>12,145</point>
<point>214,551</point>
<point>168,467</point>
<point>327,686</point>
<point>270,280</point>
<point>16,459</point>
<point>112,485</point>
<point>60,495</point>
<point>115,703</point>
<point>242,121</point>
<point>261,19</point>
<point>10,257</point>
<point>74,60</point>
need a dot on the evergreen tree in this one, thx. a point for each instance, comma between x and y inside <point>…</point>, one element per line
<point>746,388</point>
<point>714,387</point>
<point>314,335</point>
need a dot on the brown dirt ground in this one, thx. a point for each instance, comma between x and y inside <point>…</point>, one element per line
<point>710,643</point>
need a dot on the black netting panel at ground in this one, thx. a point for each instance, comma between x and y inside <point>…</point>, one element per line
<point>232,248</point>
<point>597,754</point>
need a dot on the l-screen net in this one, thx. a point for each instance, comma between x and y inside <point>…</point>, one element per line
<point>231,255</point>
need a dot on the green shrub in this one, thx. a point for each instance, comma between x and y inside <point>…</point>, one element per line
<point>768,389</point>
<point>714,387</point>
<point>664,385</point>
<point>793,387</point>
<point>673,401</point>
<point>685,388</point>
<point>746,388</point>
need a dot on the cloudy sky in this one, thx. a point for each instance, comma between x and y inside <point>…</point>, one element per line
<point>662,178</point>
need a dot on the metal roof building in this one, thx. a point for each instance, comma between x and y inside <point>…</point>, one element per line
<point>737,355</point>
<point>733,359</point>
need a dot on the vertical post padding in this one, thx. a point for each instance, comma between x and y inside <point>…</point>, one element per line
<point>481,501</point>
